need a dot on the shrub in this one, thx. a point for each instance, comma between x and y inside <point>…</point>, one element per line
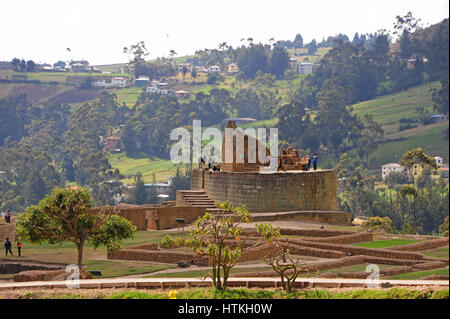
<point>379,224</point>
<point>443,229</point>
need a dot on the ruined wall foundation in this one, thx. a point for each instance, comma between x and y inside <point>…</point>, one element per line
<point>271,192</point>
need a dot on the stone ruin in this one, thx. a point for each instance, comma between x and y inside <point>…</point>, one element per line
<point>290,160</point>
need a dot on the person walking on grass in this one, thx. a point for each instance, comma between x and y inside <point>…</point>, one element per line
<point>7,246</point>
<point>19,248</point>
<point>314,161</point>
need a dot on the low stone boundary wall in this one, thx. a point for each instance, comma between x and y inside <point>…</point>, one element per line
<point>166,217</point>
<point>314,232</point>
<point>257,253</point>
<point>346,239</point>
<point>40,275</point>
<point>363,251</point>
<point>346,261</point>
<point>146,246</point>
<point>392,261</point>
<point>12,267</point>
<point>136,214</point>
<point>326,217</point>
<point>429,266</point>
<point>425,245</point>
<point>162,256</point>
<point>315,252</point>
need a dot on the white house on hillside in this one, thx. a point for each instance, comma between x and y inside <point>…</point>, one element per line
<point>439,160</point>
<point>393,167</point>
<point>214,68</point>
<point>101,84</point>
<point>119,82</point>
<point>304,68</point>
<point>233,68</point>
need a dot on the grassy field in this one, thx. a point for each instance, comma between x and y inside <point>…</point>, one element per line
<point>112,268</point>
<point>421,274</point>
<point>202,273</point>
<point>95,259</point>
<point>129,96</point>
<point>389,109</point>
<point>439,253</point>
<point>386,243</point>
<point>431,138</point>
<point>204,293</point>
<point>302,54</point>
<point>130,166</point>
<point>113,68</point>
<point>52,76</point>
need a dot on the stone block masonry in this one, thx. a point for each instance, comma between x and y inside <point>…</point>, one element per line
<point>169,217</point>
<point>8,231</point>
<point>271,192</point>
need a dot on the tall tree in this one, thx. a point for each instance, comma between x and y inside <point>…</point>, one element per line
<point>66,216</point>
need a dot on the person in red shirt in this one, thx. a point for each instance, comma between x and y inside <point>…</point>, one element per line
<point>19,247</point>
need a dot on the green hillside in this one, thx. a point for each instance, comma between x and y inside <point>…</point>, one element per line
<point>390,109</point>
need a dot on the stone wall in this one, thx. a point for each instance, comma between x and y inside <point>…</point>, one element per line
<point>271,192</point>
<point>162,256</point>
<point>325,217</point>
<point>8,231</point>
<point>166,217</point>
<point>13,267</point>
<point>136,214</point>
<point>425,245</point>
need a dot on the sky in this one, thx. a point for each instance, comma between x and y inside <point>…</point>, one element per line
<point>98,30</point>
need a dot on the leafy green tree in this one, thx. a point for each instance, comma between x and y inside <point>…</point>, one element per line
<point>30,66</point>
<point>66,216</point>
<point>139,193</point>
<point>184,71</point>
<point>396,178</point>
<point>251,60</point>
<point>210,237</point>
<point>417,158</point>
<point>378,224</point>
<point>194,74</point>
<point>279,62</point>
<point>298,41</point>
<point>312,47</point>
<point>292,120</point>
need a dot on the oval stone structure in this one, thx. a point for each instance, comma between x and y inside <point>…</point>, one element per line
<point>271,191</point>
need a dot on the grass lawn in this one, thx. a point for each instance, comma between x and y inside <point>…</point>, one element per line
<point>439,253</point>
<point>51,76</point>
<point>130,166</point>
<point>112,268</point>
<point>421,274</point>
<point>243,293</point>
<point>389,109</point>
<point>66,253</point>
<point>431,138</point>
<point>353,268</point>
<point>386,243</point>
<point>202,273</point>
<point>129,96</point>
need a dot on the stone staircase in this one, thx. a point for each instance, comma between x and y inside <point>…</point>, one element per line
<point>196,198</point>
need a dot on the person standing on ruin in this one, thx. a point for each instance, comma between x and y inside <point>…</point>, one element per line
<point>8,216</point>
<point>7,246</point>
<point>314,161</point>
<point>19,248</point>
